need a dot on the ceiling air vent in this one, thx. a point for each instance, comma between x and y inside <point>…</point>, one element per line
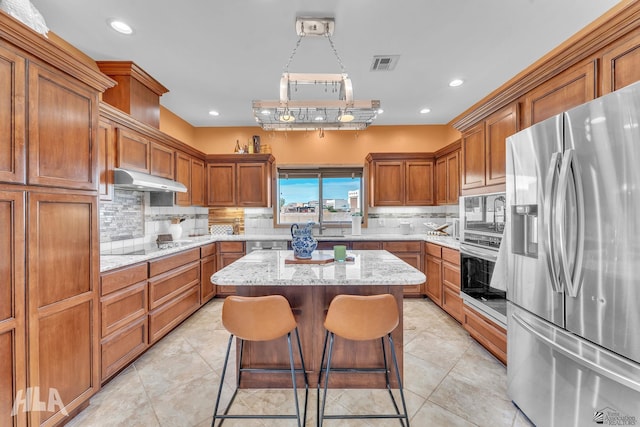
<point>384,62</point>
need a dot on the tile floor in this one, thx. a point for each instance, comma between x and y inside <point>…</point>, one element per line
<point>450,380</point>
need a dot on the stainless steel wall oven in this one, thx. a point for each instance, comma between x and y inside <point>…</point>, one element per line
<point>482,221</point>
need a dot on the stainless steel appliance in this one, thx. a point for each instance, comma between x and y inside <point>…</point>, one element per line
<point>256,245</point>
<point>573,197</point>
<point>482,220</point>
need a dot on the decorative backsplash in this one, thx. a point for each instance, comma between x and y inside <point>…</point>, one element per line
<point>123,217</point>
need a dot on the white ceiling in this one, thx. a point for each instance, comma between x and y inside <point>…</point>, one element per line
<point>221,55</point>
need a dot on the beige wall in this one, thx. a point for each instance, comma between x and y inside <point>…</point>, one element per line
<point>299,148</point>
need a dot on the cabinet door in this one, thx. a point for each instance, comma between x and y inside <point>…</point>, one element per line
<point>415,260</point>
<point>12,309</point>
<point>221,184</point>
<point>63,121</point>
<point>441,181</point>
<point>434,279</point>
<point>197,183</point>
<point>419,183</point>
<point>207,289</point>
<point>251,187</point>
<point>106,159</point>
<point>498,127</point>
<point>572,87</point>
<point>133,151</point>
<point>63,267</point>
<point>388,183</point>
<point>161,163</point>
<point>453,178</point>
<point>183,175</point>
<point>473,157</point>
<point>12,116</point>
<point>451,300</point>
<point>621,64</point>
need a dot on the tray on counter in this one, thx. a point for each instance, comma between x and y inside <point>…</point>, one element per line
<point>315,259</point>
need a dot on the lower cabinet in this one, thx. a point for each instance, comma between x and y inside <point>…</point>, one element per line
<point>174,291</point>
<point>443,279</point>
<point>228,252</point>
<point>411,253</point>
<point>207,268</point>
<point>491,336</point>
<point>123,315</point>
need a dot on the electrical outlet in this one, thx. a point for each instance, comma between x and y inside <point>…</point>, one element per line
<point>381,222</point>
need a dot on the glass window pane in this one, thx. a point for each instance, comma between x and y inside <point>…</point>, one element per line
<point>341,197</point>
<point>299,199</point>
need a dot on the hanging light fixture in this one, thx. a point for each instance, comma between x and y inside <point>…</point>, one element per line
<point>344,113</point>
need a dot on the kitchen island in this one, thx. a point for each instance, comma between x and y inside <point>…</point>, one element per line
<point>309,289</point>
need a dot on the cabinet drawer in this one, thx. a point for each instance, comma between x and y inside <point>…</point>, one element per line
<point>165,318</point>
<point>122,347</point>
<point>491,336</point>
<point>169,262</point>
<point>413,246</point>
<point>122,307</point>
<point>451,275</point>
<point>207,250</point>
<point>434,250</point>
<point>452,303</point>
<point>451,255</point>
<point>236,247</point>
<point>116,280</point>
<point>166,286</point>
<point>366,246</point>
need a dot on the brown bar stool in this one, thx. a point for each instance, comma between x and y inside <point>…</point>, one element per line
<point>361,318</point>
<point>260,319</point>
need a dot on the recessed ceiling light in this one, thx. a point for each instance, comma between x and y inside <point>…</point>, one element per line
<point>425,111</point>
<point>214,113</point>
<point>455,82</point>
<point>120,26</point>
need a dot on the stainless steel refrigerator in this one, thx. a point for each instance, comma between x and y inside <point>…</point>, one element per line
<point>573,265</point>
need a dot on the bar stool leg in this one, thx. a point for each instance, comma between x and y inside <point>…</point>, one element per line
<point>400,386</point>
<point>224,372</point>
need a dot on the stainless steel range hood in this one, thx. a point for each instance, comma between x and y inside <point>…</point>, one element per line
<point>139,181</point>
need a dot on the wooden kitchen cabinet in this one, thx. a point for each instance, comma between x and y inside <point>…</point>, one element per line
<point>61,111</point>
<point>123,313</point>
<point>411,253</point>
<point>12,116</point>
<point>133,151</point>
<point>208,264</point>
<point>12,305</point>
<point>443,278</point>
<point>161,160</point>
<point>401,179</point>
<point>447,175</point>
<point>106,159</point>
<point>174,291</point>
<point>490,335</point>
<point>366,246</point>
<point>228,252</point>
<point>570,88</point>
<point>239,180</point>
<point>483,151</point>
<point>62,271</point>
<point>190,172</point>
<point>621,63</point>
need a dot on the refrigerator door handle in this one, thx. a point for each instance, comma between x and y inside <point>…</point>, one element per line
<point>571,279</point>
<point>592,365</point>
<point>552,173</point>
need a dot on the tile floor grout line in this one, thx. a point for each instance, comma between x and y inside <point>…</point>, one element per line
<point>146,393</point>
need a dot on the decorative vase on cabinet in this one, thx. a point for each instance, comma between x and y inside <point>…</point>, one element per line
<point>302,241</point>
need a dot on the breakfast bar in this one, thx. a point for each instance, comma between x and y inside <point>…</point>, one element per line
<point>309,289</point>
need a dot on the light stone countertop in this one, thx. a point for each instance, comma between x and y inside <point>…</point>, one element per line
<point>268,268</point>
<point>113,261</point>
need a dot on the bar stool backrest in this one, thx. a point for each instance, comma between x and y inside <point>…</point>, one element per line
<point>359,318</point>
<point>258,318</point>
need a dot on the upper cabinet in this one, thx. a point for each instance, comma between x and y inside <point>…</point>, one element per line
<point>133,151</point>
<point>190,172</point>
<point>12,116</point>
<point>448,174</point>
<point>243,180</point>
<point>483,151</point>
<point>621,63</point>
<point>572,87</point>
<point>401,179</point>
<point>161,163</point>
<point>106,158</point>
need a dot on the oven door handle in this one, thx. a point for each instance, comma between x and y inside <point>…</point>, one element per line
<point>478,252</point>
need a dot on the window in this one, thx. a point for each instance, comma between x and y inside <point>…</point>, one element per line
<point>323,195</point>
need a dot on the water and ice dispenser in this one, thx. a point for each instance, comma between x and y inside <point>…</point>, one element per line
<point>524,230</point>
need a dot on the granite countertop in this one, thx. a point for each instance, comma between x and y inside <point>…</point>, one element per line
<point>124,257</point>
<point>268,268</point>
